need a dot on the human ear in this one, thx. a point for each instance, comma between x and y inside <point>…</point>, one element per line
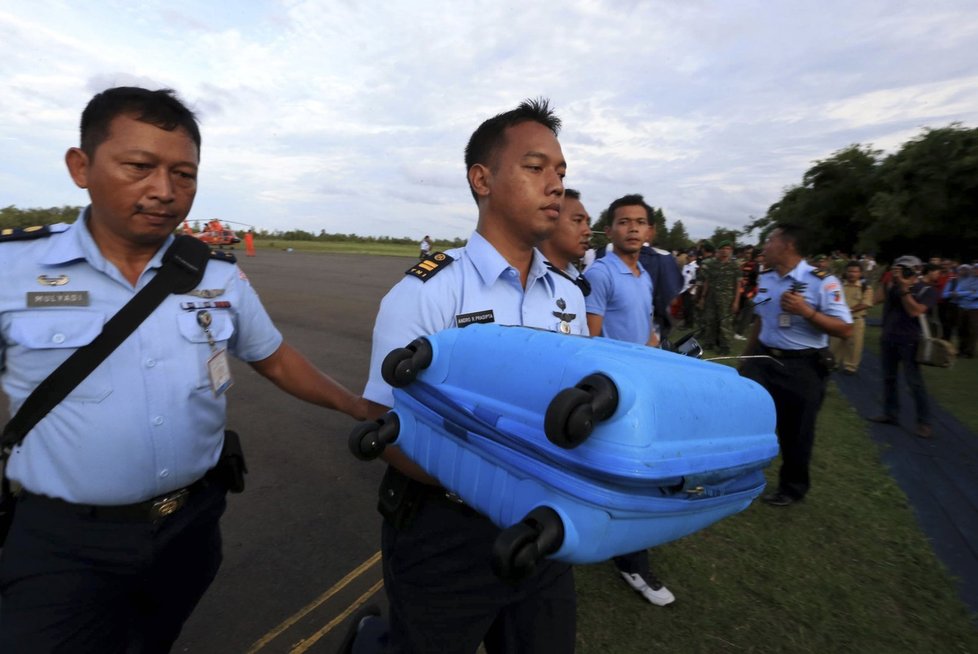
<point>480,178</point>
<point>77,162</point>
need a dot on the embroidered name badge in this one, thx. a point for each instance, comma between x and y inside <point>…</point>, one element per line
<point>57,299</point>
<point>463,319</point>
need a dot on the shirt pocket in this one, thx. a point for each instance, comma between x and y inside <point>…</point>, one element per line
<point>221,330</point>
<point>46,339</point>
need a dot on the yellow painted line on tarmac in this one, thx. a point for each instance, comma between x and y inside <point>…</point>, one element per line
<point>306,610</point>
<point>306,643</point>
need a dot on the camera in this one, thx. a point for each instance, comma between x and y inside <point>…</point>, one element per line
<point>907,272</point>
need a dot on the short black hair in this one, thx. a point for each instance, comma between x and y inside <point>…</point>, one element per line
<point>631,200</point>
<point>572,194</point>
<point>854,264</point>
<point>796,234</point>
<point>490,136</point>
<point>161,108</point>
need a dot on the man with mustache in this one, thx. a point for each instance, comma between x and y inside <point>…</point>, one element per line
<point>116,534</point>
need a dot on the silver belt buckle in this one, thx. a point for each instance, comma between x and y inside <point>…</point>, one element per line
<point>169,504</point>
<point>453,497</point>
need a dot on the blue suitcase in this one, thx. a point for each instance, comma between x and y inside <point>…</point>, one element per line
<point>580,448</point>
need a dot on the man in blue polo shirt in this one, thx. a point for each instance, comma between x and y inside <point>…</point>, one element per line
<point>620,307</point>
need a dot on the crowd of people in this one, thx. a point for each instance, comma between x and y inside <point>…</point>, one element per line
<point>121,483</point>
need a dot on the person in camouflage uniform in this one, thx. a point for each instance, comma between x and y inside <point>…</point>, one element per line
<point>720,299</point>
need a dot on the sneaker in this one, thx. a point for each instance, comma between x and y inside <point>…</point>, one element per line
<point>777,498</point>
<point>656,592</point>
<point>884,420</point>
<point>738,337</point>
<point>924,431</point>
<point>357,621</point>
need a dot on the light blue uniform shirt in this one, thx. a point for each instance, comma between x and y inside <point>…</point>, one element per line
<point>965,293</point>
<point>622,299</point>
<point>146,421</point>
<point>825,295</point>
<point>480,283</point>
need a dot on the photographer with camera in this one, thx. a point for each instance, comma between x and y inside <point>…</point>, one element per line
<point>906,297</point>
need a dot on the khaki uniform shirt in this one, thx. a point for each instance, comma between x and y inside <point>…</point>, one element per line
<point>856,294</point>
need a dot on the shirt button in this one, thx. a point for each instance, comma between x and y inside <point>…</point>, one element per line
<point>150,363</point>
<point>164,472</point>
<point>58,338</point>
<point>158,420</point>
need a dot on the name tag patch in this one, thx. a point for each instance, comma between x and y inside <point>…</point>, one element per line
<point>463,319</point>
<point>57,299</point>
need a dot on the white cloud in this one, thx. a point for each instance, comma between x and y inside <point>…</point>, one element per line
<point>353,116</point>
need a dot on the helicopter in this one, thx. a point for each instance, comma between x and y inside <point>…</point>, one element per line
<point>214,233</point>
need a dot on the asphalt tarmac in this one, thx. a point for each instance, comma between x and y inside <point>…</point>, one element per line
<point>301,544</point>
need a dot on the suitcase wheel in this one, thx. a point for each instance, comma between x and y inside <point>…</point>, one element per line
<point>517,549</point>
<point>368,439</point>
<point>571,415</point>
<point>401,366</point>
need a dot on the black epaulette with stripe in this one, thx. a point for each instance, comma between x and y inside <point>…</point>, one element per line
<point>764,272</point>
<point>821,274</point>
<point>25,233</point>
<point>580,282</point>
<point>430,266</point>
<point>222,255</point>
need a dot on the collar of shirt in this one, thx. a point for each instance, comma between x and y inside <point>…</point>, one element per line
<point>799,273</point>
<point>77,244</point>
<point>622,267</point>
<point>491,265</point>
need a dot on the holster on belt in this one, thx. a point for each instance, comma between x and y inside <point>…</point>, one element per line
<point>231,467</point>
<point>400,498</point>
<point>826,361</point>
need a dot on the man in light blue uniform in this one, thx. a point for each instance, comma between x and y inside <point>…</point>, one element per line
<point>116,533</point>
<point>620,307</point>
<point>570,240</point>
<point>798,307</point>
<point>442,593</point>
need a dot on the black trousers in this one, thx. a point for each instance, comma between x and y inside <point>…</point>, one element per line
<point>76,583</point>
<point>444,597</point>
<point>797,387</point>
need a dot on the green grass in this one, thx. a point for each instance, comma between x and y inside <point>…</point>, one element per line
<point>847,570</point>
<point>347,247</point>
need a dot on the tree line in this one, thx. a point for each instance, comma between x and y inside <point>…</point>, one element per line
<point>13,217</point>
<point>923,198</point>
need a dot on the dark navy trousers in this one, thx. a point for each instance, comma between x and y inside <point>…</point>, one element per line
<point>75,583</point>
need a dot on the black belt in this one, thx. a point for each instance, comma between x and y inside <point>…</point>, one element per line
<point>790,354</point>
<point>152,510</point>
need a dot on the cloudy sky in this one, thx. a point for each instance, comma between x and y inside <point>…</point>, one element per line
<point>351,116</point>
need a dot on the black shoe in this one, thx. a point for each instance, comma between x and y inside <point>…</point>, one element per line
<point>779,498</point>
<point>884,420</point>
<point>357,620</point>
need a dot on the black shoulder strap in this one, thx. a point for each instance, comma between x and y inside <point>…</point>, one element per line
<point>183,267</point>
<point>580,282</point>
